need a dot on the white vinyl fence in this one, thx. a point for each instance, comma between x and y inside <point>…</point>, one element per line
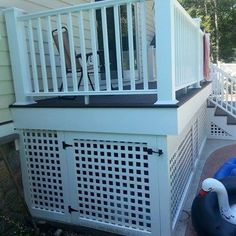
<point>223,90</point>
<point>40,67</point>
<point>188,49</point>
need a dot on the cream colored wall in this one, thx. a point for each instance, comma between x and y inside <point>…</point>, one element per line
<point>39,5</point>
<point>6,86</point>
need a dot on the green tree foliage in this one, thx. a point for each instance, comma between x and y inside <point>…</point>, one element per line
<point>218,19</point>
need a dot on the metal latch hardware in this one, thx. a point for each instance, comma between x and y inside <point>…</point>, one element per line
<point>70,209</point>
<point>150,151</point>
<point>65,145</point>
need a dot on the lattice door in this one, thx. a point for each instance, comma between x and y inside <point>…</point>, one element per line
<point>44,174</point>
<point>112,185</point>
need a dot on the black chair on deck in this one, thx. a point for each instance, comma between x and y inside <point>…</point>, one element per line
<point>68,64</point>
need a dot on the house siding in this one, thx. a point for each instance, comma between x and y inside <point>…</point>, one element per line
<point>6,85</point>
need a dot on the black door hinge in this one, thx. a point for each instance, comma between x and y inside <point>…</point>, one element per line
<point>65,145</point>
<point>70,209</point>
<point>150,151</point>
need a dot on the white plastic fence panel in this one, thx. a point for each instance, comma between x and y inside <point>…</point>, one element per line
<point>224,90</point>
<point>113,183</point>
<point>188,48</point>
<point>45,175</point>
<point>50,75</point>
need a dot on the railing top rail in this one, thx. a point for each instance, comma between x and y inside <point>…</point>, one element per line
<point>76,8</point>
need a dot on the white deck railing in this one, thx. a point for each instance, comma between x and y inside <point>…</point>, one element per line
<point>188,49</point>
<point>40,70</point>
<point>179,50</point>
<point>223,90</point>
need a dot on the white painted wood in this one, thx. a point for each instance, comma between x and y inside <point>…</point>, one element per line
<point>221,129</point>
<point>188,49</point>
<point>62,54</point>
<point>87,93</point>
<point>193,105</point>
<point>57,187</point>
<point>118,47</point>
<point>7,129</point>
<point>52,55</point>
<point>131,45</point>
<point>106,49</point>
<point>76,138</point>
<point>199,49</point>
<point>76,8</point>
<point>165,51</point>
<point>33,59</point>
<point>224,89</point>
<point>42,56</point>
<point>144,44</point>
<point>19,57</point>
<point>72,52</point>
<point>61,119</point>
<point>83,51</point>
<point>94,48</point>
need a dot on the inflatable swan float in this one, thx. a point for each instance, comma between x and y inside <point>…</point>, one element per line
<point>227,212</point>
<point>214,209</point>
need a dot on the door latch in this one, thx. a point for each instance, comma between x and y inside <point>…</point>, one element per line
<point>66,145</point>
<point>150,151</point>
<point>70,209</point>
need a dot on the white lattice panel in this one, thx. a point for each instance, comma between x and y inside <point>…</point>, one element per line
<point>202,124</point>
<point>217,131</point>
<point>43,171</point>
<point>195,139</point>
<point>113,183</point>
<point>181,166</point>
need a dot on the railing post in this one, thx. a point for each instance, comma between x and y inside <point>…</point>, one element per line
<point>19,55</point>
<point>198,54</point>
<point>165,51</point>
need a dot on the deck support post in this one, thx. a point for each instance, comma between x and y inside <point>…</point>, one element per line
<point>199,59</point>
<point>164,188</point>
<point>165,51</point>
<point>19,55</point>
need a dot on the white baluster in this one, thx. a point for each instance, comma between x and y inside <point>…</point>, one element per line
<point>62,53</point>
<point>83,51</point>
<point>131,45</point>
<point>33,57</point>
<point>72,52</point>
<point>118,47</point>
<point>92,21</point>
<point>42,56</point>
<point>106,49</point>
<point>52,55</point>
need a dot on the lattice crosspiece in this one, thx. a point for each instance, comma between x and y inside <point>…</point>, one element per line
<point>182,162</point>
<point>181,165</point>
<point>217,131</point>
<point>113,183</point>
<point>44,170</point>
<point>202,123</point>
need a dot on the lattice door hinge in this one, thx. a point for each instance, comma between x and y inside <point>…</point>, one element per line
<point>150,151</point>
<point>70,209</point>
<point>66,145</point>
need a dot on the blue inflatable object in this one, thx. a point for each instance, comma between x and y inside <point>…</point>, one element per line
<point>206,217</point>
<point>226,170</point>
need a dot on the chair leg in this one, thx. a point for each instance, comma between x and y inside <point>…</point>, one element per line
<point>90,82</point>
<point>61,87</point>
<point>80,80</point>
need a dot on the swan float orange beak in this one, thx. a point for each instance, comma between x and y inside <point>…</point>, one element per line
<point>202,193</point>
